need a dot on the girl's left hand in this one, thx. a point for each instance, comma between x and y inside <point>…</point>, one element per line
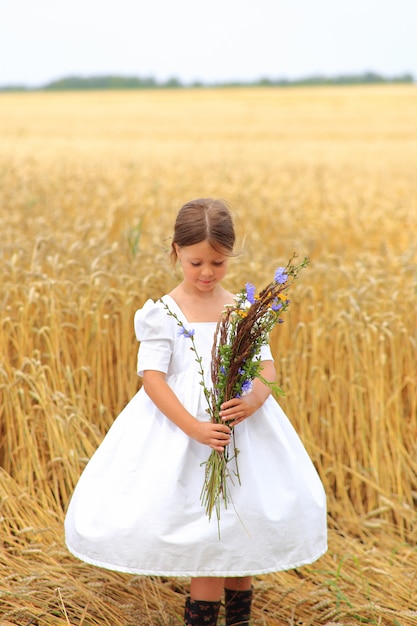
<point>238,409</point>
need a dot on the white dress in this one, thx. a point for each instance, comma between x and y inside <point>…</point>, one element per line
<point>136,507</point>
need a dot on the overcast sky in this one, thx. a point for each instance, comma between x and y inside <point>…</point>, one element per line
<point>214,40</point>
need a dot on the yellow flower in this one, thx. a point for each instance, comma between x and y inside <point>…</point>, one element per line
<point>282,296</point>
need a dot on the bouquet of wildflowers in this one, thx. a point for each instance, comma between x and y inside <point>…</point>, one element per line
<point>242,330</point>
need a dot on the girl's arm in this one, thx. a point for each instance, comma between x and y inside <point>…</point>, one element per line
<point>217,436</point>
<point>238,409</point>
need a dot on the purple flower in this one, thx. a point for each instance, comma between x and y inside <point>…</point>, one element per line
<point>247,385</point>
<point>276,305</point>
<point>250,292</point>
<point>280,276</point>
<point>186,333</point>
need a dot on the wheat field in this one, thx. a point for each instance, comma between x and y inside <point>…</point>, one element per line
<point>90,184</point>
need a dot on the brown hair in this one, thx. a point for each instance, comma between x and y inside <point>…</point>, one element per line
<point>204,219</point>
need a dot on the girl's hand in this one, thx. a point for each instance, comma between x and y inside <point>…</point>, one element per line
<point>238,409</point>
<point>217,436</point>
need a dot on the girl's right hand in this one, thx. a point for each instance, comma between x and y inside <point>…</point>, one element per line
<point>217,436</point>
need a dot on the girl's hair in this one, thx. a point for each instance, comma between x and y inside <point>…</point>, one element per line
<point>204,219</point>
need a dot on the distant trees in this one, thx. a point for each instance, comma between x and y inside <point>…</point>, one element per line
<point>367,78</point>
<point>100,82</point>
<point>73,83</point>
<point>126,82</point>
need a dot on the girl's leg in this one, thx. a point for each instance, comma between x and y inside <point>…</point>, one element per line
<point>238,584</point>
<point>206,588</point>
<point>238,599</point>
<point>204,604</point>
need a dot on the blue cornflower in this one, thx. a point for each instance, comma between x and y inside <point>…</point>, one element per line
<point>186,333</point>
<point>280,275</point>
<point>250,292</point>
<point>247,386</point>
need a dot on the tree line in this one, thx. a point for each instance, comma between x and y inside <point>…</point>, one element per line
<point>73,83</point>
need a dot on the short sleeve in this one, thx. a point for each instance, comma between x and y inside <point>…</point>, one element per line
<point>156,335</point>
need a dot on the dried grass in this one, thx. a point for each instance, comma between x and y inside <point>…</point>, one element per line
<point>89,186</point>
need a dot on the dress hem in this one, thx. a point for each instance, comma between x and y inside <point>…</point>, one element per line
<point>196,573</point>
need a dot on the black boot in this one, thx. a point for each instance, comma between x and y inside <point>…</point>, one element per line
<point>201,612</point>
<point>238,605</point>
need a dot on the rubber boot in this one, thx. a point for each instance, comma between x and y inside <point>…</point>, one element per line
<point>238,604</point>
<point>201,612</point>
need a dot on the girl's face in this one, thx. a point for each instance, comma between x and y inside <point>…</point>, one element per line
<point>203,266</point>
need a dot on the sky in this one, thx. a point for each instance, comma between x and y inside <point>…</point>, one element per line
<point>210,41</point>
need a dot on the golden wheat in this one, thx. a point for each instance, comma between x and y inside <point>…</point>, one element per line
<point>89,187</point>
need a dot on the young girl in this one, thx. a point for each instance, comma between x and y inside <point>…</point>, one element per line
<point>137,505</point>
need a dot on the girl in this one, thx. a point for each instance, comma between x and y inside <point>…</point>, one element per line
<point>137,505</point>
